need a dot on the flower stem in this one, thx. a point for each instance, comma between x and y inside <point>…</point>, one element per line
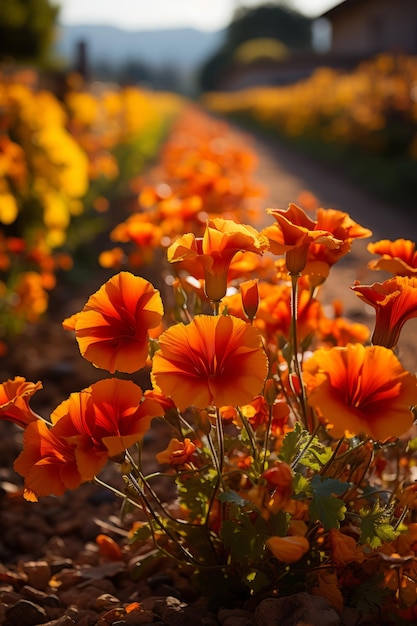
<point>294,343</point>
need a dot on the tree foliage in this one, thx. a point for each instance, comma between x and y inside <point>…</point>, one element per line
<point>26,29</point>
<point>268,21</point>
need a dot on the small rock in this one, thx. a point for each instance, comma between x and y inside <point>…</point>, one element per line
<point>40,597</point>
<point>25,613</point>
<point>299,607</point>
<point>38,573</point>
<point>106,601</point>
<point>235,617</point>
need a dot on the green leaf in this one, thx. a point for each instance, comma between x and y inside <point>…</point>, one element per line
<point>324,506</point>
<point>370,595</point>
<point>375,526</point>
<point>317,456</point>
<point>301,484</point>
<point>245,541</point>
<point>142,533</point>
<point>233,498</point>
<point>289,444</point>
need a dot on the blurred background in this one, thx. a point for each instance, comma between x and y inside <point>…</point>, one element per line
<point>90,91</point>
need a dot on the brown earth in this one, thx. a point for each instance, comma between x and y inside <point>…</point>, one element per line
<point>54,540</point>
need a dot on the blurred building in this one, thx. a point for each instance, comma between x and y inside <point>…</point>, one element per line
<point>362,28</point>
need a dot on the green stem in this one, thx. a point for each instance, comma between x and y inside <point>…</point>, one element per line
<point>266,440</point>
<point>294,343</point>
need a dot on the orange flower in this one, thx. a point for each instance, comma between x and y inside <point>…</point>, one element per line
<point>112,329</point>
<point>274,312</point>
<point>103,420</point>
<point>398,257</point>
<point>211,361</point>
<point>250,297</point>
<point>320,258</point>
<point>257,413</point>
<point>222,239</point>
<point>288,549</point>
<point>279,479</point>
<point>292,235</point>
<point>395,302</point>
<point>177,452</point>
<point>15,396</point>
<point>47,463</point>
<point>361,390</point>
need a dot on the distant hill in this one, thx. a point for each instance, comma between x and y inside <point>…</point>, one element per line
<point>183,48</point>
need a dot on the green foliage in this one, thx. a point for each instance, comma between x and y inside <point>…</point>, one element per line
<point>26,29</point>
<point>376,527</point>
<point>324,506</point>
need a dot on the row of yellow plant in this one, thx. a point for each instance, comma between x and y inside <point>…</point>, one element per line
<point>56,159</point>
<point>292,451</point>
<point>373,107</point>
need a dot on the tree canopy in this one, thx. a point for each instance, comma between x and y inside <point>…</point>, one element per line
<point>270,21</point>
<point>26,29</point>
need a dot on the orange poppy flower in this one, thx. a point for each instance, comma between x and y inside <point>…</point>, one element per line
<point>321,258</point>
<point>47,463</point>
<point>292,235</point>
<point>398,257</point>
<point>214,360</point>
<point>15,396</point>
<point>222,239</point>
<point>361,390</point>
<point>112,329</point>
<point>288,549</point>
<point>177,452</point>
<point>279,479</point>
<point>274,313</point>
<point>249,291</point>
<point>103,421</point>
<point>395,302</point>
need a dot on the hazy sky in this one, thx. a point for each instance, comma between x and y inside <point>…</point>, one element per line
<point>148,14</point>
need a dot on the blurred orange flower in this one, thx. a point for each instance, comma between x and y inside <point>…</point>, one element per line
<point>292,235</point>
<point>288,549</point>
<point>103,420</point>
<point>221,241</point>
<point>211,361</point>
<point>398,257</point>
<point>395,302</point>
<point>47,463</point>
<point>15,396</point>
<point>361,390</point>
<point>112,329</point>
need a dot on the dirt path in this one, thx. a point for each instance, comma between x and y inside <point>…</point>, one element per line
<point>286,173</point>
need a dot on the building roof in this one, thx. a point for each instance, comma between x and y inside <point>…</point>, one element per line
<point>341,8</point>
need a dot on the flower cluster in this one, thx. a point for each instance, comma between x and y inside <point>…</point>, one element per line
<point>291,443</point>
<point>56,161</point>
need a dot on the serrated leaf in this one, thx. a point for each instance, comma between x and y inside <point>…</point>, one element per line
<point>301,484</point>
<point>233,498</point>
<point>289,444</point>
<point>316,457</point>
<point>324,507</point>
<point>375,527</point>
<point>328,486</point>
<point>327,510</point>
